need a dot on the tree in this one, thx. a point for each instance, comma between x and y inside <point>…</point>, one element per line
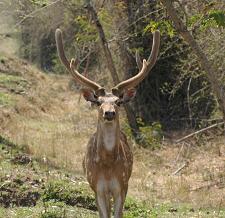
<point>163,96</point>
<point>130,114</point>
<point>205,63</point>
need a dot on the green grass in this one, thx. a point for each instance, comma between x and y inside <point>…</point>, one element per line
<point>6,79</point>
<point>69,193</point>
<point>184,211</point>
<point>15,84</point>
<point>31,189</point>
<point>11,84</point>
<point>6,100</point>
<point>134,209</point>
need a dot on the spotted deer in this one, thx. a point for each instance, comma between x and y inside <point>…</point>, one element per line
<point>109,159</point>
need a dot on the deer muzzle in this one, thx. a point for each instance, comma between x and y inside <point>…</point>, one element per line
<point>109,115</point>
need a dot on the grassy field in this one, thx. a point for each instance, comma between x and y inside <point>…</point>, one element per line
<point>30,188</point>
<point>44,129</point>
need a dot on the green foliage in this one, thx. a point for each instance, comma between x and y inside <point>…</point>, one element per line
<point>132,30</point>
<point>108,16</point>
<point>150,135</point>
<point>105,17</point>
<point>164,26</point>
<point>82,42</point>
<point>86,32</point>
<point>135,209</point>
<point>213,18</point>
<point>106,20</point>
<point>194,19</point>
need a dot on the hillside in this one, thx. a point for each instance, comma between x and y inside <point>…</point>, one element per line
<point>44,128</point>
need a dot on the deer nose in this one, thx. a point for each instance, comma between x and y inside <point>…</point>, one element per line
<point>109,115</point>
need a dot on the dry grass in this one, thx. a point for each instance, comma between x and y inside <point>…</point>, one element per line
<point>49,120</point>
<point>201,183</point>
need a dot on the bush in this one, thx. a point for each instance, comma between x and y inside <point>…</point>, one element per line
<point>150,135</point>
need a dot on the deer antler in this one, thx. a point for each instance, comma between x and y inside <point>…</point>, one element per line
<point>144,67</point>
<point>83,80</point>
<point>70,66</point>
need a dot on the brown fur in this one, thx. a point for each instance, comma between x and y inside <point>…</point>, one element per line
<point>111,167</point>
<point>108,161</point>
<point>110,164</point>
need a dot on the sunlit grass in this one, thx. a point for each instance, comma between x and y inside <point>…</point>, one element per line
<point>6,100</point>
<point>13,83</point>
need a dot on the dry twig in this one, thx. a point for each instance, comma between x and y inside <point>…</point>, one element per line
<point>199,131</point>
<point>179,169</point>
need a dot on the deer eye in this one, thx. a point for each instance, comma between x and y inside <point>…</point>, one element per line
<point>118,102</point>
<point>97,102</point>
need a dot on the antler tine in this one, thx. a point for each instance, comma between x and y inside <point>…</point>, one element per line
<point>145,69</point>
<point>70,66</point>
<point>60,49</point>
<point>155,49</point>
<point>82,79</point>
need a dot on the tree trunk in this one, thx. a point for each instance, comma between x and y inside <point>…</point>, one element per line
<point>130,113</point>
<point>205,63</point>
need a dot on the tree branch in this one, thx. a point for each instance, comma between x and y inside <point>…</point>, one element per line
<point>129,111</point>
<point>205,63</point>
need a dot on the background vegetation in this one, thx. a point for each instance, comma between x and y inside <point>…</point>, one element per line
<point>41,113</point>
<point>177,94</point>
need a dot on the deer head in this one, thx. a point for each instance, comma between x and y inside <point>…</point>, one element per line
<point>108,103</point>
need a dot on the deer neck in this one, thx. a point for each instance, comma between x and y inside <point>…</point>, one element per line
<point>108,135</point>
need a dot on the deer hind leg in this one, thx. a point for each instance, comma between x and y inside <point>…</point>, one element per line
<point>103,199</point>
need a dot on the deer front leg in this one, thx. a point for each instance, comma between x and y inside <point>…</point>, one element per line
<point>103,199</point>
<point>118,205</point>
<point>118,198</point>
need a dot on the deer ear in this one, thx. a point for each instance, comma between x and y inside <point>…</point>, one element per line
<point>89,95</point>
<point>127,96</point>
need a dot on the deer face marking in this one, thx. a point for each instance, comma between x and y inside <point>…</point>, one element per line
<point>108,104</point>
<point>108,109</point>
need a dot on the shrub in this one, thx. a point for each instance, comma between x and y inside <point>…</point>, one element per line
<point>150,135</point>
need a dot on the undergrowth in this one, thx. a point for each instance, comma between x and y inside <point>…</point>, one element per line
<point>48,193</point>
<point>150,136</point>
